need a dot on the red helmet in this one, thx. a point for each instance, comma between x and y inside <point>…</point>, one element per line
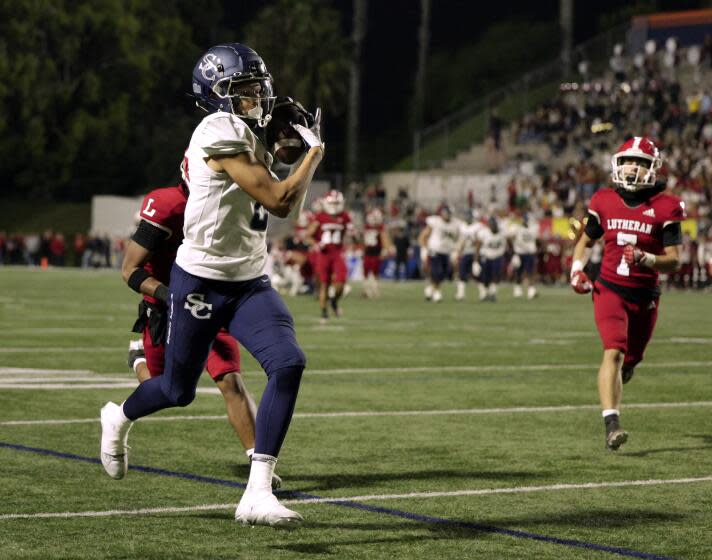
<point>635,164</point>
<point>334,202</point>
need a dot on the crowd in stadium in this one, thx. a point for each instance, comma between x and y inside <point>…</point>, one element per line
<point>664,93</point>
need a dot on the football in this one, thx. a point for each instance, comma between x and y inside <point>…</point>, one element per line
<point>283,141</point>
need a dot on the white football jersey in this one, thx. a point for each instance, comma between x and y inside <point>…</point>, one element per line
<point>523,238</point>
<point>493,245</point>
<point>469,234</point>
<point>443,235</point>
<point>224,227</point>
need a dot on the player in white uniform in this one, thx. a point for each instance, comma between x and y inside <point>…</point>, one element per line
<point>438,243</point>
<point>523,237</point>
<point>466,253</point>
<point>491,246</point>
<point>218,279</point>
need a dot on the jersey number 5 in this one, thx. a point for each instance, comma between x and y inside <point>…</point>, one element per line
<point>622,240</point>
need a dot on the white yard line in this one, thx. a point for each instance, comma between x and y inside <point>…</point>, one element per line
<point>514,490</point>
<point>62,349</point>
<point>371,498</point>
<point>8,371</point>
<point>376,413</point>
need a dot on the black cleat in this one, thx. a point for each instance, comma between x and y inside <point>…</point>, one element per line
<point>615,438</point>
<point>627,374</point>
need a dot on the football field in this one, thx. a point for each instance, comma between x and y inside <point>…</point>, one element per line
<point>451,430</point>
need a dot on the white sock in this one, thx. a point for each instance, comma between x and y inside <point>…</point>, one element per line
<point>122,419</point>
<point>609,411</point>
<point>250,452</point>
<point>460,288</point>
<point>261,472</point>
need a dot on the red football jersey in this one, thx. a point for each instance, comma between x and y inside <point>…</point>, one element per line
<point>372,240</point>
<point>164,208</point>
<point>641,226</point>
<point>332,230</point>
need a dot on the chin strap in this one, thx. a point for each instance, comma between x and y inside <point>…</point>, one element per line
<point>639,196</point>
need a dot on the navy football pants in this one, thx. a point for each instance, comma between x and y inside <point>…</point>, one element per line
<point>256,316</point>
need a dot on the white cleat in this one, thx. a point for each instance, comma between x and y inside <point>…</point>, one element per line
<point>261,507</point>
<point>437,296</point>
<point>114,437</point>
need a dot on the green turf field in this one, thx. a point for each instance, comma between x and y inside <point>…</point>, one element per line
<point>456,430</point>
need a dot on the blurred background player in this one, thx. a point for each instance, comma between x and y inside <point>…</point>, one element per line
<point>328,232</point>
<point>524,237</point>
<point>640,226</point>
<point>150,253</point>
<point>438,244</point>
<point>491,246</point>
<point>465,252</point>
<point>376,244</point>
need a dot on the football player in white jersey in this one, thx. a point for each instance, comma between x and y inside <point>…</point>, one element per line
<point>491,246</point>
<point>218,279</point>
<point>466,252</point>
<point>438,243</point>
<point>523,237</point>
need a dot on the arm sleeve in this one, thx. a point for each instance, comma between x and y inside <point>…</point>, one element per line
<point>593,227</point>
<point>149,236</point>
<point>672,234</point>
<point>224,135</point>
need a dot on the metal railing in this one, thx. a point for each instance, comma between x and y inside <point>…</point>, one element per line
<point>459,130</point>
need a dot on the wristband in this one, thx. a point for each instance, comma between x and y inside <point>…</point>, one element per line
<point>161,293</point>
<point>576,266</point>
<point>648,259</point>
<point>136,279</point>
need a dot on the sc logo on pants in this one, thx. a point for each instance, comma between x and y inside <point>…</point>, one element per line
<point>196,304</point>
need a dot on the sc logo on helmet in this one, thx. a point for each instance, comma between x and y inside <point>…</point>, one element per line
<point>209,66</point>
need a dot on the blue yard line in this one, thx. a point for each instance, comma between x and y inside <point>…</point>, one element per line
<point>626,552</point>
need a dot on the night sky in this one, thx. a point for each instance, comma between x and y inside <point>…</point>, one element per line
<point>390,47</point>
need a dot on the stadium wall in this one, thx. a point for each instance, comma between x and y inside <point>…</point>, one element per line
<point>431,188</point>
<point>115,215</point>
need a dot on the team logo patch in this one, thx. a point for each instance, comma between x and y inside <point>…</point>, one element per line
<point>650,212</point>
<point>209,66</point>
<point>196,304</point>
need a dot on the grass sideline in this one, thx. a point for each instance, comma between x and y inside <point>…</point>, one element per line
<point>397,354</point>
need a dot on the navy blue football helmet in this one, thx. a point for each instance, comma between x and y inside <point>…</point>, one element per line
<point>233,78</point>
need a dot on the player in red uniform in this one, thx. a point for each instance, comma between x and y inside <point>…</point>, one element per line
<point>146,268</point>
<point>327,232</point>
<point>376,242</point>
<point>640,227</point>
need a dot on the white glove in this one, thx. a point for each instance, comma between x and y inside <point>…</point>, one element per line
<point>312,136</point>
<point>516,262</point>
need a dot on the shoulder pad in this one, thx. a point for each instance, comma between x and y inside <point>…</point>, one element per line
<point>224,134</point>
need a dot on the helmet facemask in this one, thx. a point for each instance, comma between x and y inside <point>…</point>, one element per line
<point>250,97</point>
<point>634,173</point>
